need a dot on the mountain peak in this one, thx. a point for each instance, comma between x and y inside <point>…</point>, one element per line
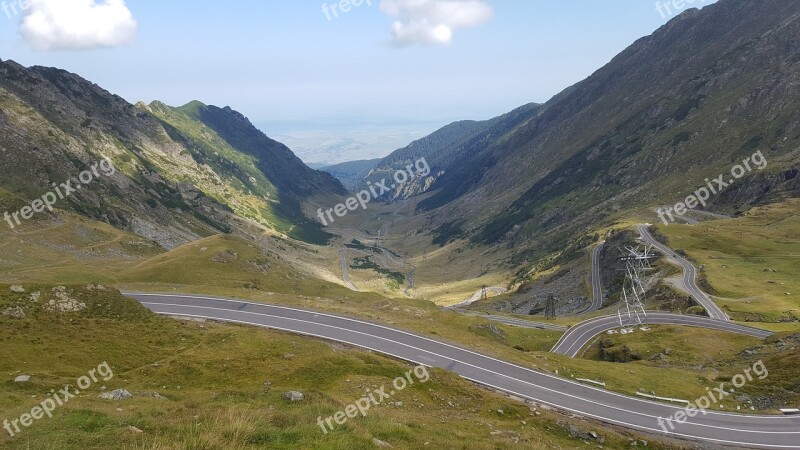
<point>193,108</point>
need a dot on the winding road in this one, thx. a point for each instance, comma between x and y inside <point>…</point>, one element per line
<point>479,294</point>
<point>507,320</point>
<point>513,321</point>
<point>689,276</point>
<point>345,275</point>
<point>388,259</point>
<point>597,282</point>
<point>525,323</point>
<point>581,334</point>
<point>588,401</point>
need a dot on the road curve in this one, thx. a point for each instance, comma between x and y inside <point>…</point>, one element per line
<point>345,275</point>
<point>689,276</point>
<point>479,294</point>
<point>589,401</point>
<point>513,321</point>
<point>597,282</point>
<point>581,334</point>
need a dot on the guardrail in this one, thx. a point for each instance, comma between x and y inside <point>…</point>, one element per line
<point>586,380</point>
<point>666,399</point>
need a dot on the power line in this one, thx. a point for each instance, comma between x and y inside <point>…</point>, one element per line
<point>631,311</point>
<point>550,307</point>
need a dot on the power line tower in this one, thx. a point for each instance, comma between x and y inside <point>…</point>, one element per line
<point>550,307</point>
<point>631,311</point>
<point>483,292</point>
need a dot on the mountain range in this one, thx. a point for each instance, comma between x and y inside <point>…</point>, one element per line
<point>183,173</point>
<point>688,102</point>
<point>531,187</point>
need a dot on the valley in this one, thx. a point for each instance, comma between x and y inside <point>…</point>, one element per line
<point>536,263</point>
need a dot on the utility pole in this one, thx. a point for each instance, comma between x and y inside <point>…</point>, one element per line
<point>631,311</point>
<point>550,307</point>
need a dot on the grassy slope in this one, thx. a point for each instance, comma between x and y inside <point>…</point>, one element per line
<point>689,347</point>
<point>752,261</point>
<point>192,268</point>
<point>74,250</point>
<point>247,190</point>
<point>213,377</point>
<point>720,355</point>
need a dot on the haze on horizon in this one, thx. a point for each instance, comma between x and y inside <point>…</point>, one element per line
<point>358,83</point>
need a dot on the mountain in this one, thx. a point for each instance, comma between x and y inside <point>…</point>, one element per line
<point>701,94</point>
<point>443,150</point>
<point>254,164</point>
<point>181,173</point>
<point>351,173</point>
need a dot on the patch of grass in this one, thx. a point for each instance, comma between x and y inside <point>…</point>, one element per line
<point>683,136</point>
<point>358,245</point>
<point>208,267</point>
<point>365,263</point>
<point>672,346</point>
<point>223,386</point>
<point>751,261</point>
<point>447,233</point>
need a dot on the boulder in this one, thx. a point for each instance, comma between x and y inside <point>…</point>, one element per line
<point>116,395</point>
<point>294,396</point>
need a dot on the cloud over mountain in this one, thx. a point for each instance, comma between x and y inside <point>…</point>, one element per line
<point>77,24</point>
<point>433,22</point>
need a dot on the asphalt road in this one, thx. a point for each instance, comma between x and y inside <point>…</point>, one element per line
<point>633,413</point>
<point>689,276</point>
<point>345,275</point>
<point>513,321</point>
<point>388,259</point>
<point>597,283</point>
<point>581,334</point>
<point>477,295</point>
<point>526,323</point>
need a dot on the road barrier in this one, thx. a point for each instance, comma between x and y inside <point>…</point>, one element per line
<point>666,399</point>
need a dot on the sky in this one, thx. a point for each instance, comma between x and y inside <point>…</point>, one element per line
<point>430,61</point>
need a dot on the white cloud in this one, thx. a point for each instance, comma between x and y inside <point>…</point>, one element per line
<point>433,22</point>
<point>77,24</point>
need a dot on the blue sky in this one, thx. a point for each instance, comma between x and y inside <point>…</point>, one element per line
<point>284,60</point>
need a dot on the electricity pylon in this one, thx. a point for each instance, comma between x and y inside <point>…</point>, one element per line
<point>550,307</point>
<point>631,311</point>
